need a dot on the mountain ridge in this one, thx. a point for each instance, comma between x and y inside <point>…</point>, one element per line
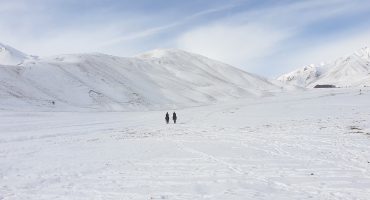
<point>103,82</point>
<point>347,71</point>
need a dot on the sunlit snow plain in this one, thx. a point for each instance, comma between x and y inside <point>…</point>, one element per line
<point>299,145</point>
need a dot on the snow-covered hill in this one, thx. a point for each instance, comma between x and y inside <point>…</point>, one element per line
<point>11,56</point>
<point>349,71</point>
<point>159,79</point>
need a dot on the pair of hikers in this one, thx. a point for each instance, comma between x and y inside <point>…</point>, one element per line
<point>174,117</point>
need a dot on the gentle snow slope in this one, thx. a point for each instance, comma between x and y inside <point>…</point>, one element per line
<point>350,71</point>
<point>306,145</point>
<point>159,79</point>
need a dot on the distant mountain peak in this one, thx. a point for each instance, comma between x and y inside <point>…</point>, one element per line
<point>347,71</point>
<point>11,56</point>
<point>364,52</point>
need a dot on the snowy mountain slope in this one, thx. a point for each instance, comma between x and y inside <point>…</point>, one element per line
<point>102,82</point>
<point>303,76</point>
<point>350,71</point>
<point>11,56</point>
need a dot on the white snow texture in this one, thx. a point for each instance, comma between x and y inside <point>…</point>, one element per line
<point>348,71</point>
<point>237,137</point>
<point>166,78</point>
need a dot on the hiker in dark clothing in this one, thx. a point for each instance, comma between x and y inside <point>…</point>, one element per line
<point>167,118</point>
<point>174,117</point>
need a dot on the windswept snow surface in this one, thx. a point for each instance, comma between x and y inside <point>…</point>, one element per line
<point>349,71</point>
<point>303,145</point>
<point>97,82</point>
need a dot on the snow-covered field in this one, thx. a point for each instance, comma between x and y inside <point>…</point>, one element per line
<point>302,145</point>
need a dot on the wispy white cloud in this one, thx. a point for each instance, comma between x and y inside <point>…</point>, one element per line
<point>234,44</point>
<point>40,31</point>
<point>266,38</point>
<point>330,50</point>
<point>272,40</point>
<point>155,30</point>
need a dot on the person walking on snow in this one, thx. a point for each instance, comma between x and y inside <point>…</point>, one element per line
<point>167,118</point>
<point>174,117</point>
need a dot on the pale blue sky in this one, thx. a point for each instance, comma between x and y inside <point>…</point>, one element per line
<point>265,37</point>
